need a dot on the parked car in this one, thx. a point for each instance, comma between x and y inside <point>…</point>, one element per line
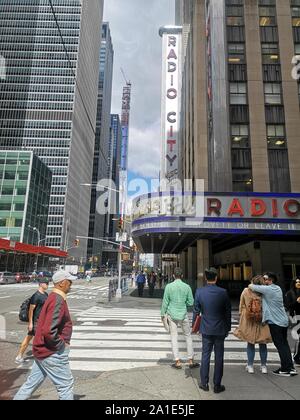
<point>47,274</point>
<point>7,278</point>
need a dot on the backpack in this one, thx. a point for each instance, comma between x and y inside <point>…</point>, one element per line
<point>24,310</point>
<point>254,310</point>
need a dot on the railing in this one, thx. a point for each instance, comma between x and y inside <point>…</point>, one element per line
<point>113,287</point>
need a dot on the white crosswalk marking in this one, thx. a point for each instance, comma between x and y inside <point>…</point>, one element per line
<point>86,292</point>
<point>108,339</point>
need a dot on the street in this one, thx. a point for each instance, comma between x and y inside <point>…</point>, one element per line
<point>122,339</point>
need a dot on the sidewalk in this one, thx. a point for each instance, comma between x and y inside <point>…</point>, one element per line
<point>164,383</point>
<point>160,382</point>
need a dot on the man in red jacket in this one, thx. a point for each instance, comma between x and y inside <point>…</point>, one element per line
<point>51,346</point>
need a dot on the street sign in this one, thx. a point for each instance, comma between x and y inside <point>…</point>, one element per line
<point>121,237</point>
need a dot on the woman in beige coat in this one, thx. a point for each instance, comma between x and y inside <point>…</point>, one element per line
<point>252,331</point>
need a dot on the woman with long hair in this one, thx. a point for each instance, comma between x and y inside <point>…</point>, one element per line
<point>250,329</point>
<point>293,305</point>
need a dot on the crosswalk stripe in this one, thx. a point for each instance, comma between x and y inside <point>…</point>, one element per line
<point>148,355</point>
<point>148,344</point>
<point>139,341</point>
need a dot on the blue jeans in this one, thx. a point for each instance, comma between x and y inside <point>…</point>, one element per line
<point>263,351</point>
<point>57,368</point>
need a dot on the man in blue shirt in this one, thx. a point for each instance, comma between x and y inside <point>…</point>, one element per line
<point>275,316</point>
<point>141,280</point>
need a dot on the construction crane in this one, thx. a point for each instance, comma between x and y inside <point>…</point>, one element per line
<point>125,78</point>
<point>126,103</point>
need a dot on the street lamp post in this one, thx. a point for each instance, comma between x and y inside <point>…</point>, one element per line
<point>121,192</point>
<point>35,229</point>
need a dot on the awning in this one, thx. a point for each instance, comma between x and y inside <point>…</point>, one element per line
<point>19,247</point>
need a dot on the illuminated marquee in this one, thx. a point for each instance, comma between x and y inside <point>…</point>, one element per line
<point>226,212</point>
<point>171,101</point>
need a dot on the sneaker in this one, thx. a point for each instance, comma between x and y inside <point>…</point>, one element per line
<point>250,369</point>
<point>293,372</point>
<point>194,365</point>
<point>19,360</point>
<point>264,370</point>
<point>176,366</point>
<point>280,372</point>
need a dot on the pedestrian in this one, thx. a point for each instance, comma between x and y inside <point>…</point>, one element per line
<point>275,316</point>
<point>214,305</point>
<point>133,277</point>
<point>178,297</point>
<point>251,329</point>
<point>141,280</point>
<point>293,305</point>
<point>151,283</point>
<point>51,346</point>
<point>89,276</point>
<point>160,280</point>
<point>36,304</point>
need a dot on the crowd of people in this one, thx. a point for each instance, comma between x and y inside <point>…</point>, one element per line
<point>265,316</point>
<point>264,319</point>
<point>152,279</point>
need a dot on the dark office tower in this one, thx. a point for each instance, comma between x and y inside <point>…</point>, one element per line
<point>102,141</point>
<point>48,100</point>
<point>110,253</point>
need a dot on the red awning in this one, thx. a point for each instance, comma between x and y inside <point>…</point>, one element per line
<point>19,247</point>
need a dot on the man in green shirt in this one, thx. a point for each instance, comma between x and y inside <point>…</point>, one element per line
<point>178,297</point>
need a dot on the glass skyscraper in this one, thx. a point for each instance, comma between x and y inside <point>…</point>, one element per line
<point>102,139</point>
<point>25,185</point>
<point>48,100</point>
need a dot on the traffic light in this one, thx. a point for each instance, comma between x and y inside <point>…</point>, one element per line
<point>76,243</point>
<point>121,223</point>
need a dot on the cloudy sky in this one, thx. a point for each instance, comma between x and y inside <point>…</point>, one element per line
<point>134,28</point>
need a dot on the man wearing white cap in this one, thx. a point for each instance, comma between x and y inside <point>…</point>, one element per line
<point>51,345</point>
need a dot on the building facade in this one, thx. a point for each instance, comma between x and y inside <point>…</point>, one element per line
<point>110,252</point>
<point>25,186</point>
<point>240,125</point>
<point>48,100</point>
<point>102,163</point>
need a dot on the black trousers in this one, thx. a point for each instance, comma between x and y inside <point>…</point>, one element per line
<point>151,290</point>
<point>279,337</point>
<point>141,289</point>
<point>210,343</point>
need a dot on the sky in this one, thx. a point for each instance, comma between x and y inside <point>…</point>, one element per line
<point>137,45</point>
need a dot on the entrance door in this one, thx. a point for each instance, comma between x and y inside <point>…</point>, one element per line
<point>291,269</point>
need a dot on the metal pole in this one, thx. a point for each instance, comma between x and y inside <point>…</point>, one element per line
<point>39,241</point>
<point>119,291</point>
<point>122,193</point>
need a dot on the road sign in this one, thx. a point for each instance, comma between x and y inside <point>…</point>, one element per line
<point>121,237</point>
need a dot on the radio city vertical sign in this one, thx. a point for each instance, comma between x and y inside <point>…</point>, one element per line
<point>171,93</point>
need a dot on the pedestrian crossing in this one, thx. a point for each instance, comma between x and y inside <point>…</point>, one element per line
<point>78,292</point>
<point>109,339</point>
<point>86,292</point>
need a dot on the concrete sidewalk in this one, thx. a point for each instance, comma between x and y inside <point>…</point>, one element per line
<point>164,383</point>
<point>160,382</point>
